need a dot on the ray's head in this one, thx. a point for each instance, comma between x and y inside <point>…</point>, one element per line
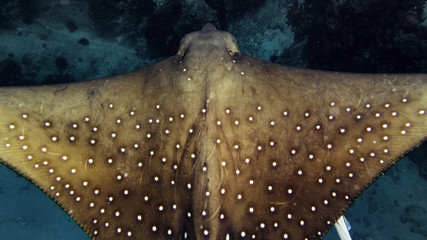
<point>207,40</point>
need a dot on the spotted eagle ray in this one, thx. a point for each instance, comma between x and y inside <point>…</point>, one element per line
<point>211,143</point>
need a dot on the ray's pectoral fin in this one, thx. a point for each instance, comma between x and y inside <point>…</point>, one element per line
<point>296,147</point>
<point>98,149</point>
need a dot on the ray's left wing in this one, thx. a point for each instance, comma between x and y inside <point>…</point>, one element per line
<point>107,151</point>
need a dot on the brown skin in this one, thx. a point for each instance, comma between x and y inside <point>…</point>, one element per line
<point>211,142</point>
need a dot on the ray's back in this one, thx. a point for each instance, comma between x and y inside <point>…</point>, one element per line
<point>211,143</point>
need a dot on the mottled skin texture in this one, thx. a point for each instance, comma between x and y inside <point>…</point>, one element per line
<point>211,143</point>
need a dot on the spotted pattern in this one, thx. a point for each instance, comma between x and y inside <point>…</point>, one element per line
<point>209,144</point>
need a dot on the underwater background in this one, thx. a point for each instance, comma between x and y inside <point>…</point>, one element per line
<point>57,41</point>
